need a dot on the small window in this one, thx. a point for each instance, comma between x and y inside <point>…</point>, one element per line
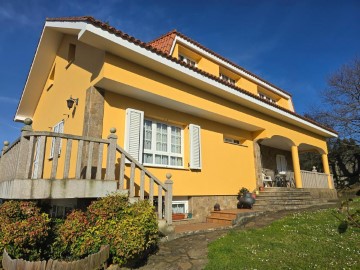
<point>60,211</point>
<point>180,207</point>
<point>71,53</point>
<point>263,96</point>
<point>231,140</point>
<point>227,79</point>
<point>187,60</point>
<point>52,74</point>
<point>58,128</point>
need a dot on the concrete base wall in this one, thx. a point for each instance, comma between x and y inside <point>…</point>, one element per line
<point>324,194</point>
<point>56,189</point>
<point>200,206</point>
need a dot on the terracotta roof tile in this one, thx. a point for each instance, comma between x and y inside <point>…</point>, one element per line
<point>162,53</point>
<point>165,42</point>
<point>176,33</point>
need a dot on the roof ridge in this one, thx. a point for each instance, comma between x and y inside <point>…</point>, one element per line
<point>147,46</point>
<point>229,61</point>
<point>174,31</point>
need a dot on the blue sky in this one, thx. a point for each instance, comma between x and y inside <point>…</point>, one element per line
<point>295,45</point>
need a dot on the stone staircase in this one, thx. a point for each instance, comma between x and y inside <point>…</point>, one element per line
<point>276,198</point>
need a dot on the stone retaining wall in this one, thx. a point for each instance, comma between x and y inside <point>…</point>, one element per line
<point>202,205</point>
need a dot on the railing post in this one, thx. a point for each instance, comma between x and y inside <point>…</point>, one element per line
<point>6,145</point>
<point>23,151</point>
<point>111,155</point>
<point>168,200</point>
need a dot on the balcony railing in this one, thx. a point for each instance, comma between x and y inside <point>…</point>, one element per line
<point>314,179</point>
<point>39,156</point>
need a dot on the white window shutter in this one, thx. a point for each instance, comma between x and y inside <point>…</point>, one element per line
<point>195,147</point>
<point>134,129</point>
<point>58,128</point>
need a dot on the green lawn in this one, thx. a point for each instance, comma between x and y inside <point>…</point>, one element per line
<point>308,240</point>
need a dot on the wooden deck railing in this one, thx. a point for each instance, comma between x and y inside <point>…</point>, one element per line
<point>30,158</point>
<point>314,179</point>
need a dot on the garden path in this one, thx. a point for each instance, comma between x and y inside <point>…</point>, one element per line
<point>190,252</point>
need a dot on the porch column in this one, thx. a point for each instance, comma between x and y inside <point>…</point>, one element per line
<point>325,163</point>
<point>296,166</point>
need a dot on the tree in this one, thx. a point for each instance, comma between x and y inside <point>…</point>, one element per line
<point>340,110</point>
<point>341,102</point>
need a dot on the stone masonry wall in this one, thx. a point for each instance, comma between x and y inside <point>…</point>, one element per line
<point>268,159</point>
<point>200,206</point>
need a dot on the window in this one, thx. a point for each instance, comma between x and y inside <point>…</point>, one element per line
<point>231,140</point>
<point>163,144</point>
<point>60,211</point>
<point>187,60</point>
<point>58,128</point>
<point>227,79</point>
<point>160,144</point>
<point>180,207</point>
<point>263,96</point>
<point>71,53</point>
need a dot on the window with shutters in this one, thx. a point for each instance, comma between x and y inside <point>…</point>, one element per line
<point>58,128</point>
<point>163,144</point>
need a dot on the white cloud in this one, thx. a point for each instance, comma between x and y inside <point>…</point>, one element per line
<point>8,99</point>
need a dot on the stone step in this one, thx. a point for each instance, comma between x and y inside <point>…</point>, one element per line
<point>274,197</point>
<point>223,214</point>
<point>289,207</point>
<point>281,193</point>
<point>220,220</point>
<point>284,202</point>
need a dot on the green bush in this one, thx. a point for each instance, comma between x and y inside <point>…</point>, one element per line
<point>68,233</point>
<point>23,230</point>
<point>131,230</point>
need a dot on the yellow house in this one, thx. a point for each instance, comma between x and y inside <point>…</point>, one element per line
<point>110,112</point>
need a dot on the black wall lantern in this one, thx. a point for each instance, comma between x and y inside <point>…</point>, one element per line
<point>70,102</point>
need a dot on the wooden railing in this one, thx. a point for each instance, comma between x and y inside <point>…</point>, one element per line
<point>38,155</point>
<point>314,179</point>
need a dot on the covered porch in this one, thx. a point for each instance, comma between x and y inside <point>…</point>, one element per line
<point>278,165</point>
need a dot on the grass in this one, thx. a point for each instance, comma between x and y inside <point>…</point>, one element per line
<point>308,240</point>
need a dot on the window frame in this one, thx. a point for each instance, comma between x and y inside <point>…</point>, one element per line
<point>153,150</point>
<point>227,79</point>
<point>184,202</point>
<point>57,125</point>
<point>187,60</point>
<point>266,97</point>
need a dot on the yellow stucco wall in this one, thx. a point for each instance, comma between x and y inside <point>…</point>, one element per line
<point>215,69</point>
<point>69,80</point>
<point>226,168</point>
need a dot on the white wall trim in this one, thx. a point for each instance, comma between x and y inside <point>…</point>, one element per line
<point>229,66</point>
<point>83,27</point>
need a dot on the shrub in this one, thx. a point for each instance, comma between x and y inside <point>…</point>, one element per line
<point>24,230</point>
<point>68,233</point>
<point>131,230</point>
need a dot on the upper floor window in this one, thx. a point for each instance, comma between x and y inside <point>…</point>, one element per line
<point>187,60</point>
<point>71,53</point>
<point>263,96</point>
<point>227,79</point>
